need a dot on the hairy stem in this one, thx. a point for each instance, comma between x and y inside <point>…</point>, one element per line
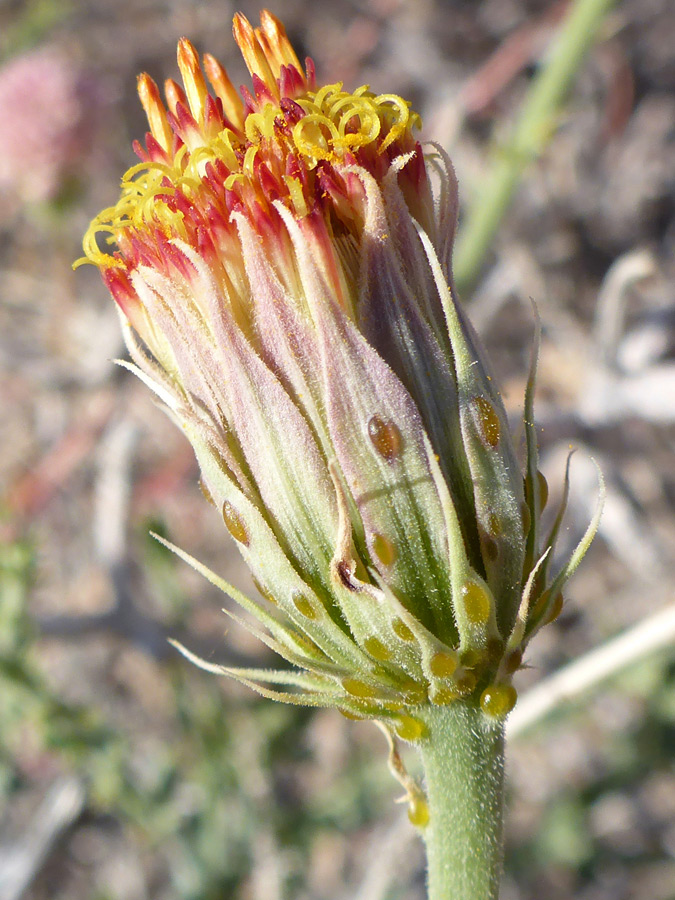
<point>463,761</point>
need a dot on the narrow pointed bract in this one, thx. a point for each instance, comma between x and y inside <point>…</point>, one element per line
<point>281,259</point>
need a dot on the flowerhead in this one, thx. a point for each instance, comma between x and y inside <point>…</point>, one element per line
<point>282,266</point>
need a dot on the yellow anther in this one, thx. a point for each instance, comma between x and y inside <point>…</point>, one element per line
<point>324,92</point>
<point>248,168</point>
<point>223,149</point>
<point>315,136</point>
<point>401,121</point>
<point>232,179</point>
<point>296,195</point>
<point>260,125</point>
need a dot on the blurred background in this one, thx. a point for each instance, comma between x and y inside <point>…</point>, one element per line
<point>127,774</point>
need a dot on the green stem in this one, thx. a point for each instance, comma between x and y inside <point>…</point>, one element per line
<point>531,133</point>
<point>463,761</point>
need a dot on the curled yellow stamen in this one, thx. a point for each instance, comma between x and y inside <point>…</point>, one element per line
<point>324,125</point>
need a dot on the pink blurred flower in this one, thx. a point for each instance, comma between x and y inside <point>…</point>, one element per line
<point>46,123</point>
